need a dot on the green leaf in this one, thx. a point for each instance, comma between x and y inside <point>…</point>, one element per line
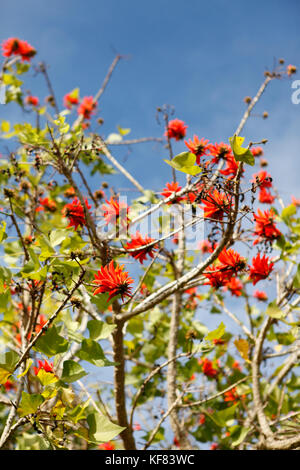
<point>27,367</point>
<point>288,211</point>
<point>240,436</point>
<point>216,334</point>
<point>46,378</point>
<point>51,343</point>
<point>99,330</point>
<point>3,235</point>
<point>241,154</point>
<point>92,352</point>
<point>72,371</point>
<point>123,131</point>
<point>29,403</point>
<point>101,429</point>
<point>274,311</point>
<point>58,236</point>
<point>5,126</point>
<point>185,162</point>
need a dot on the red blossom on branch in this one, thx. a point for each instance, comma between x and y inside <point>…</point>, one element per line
<point>172,189</point>
<point>137,241</point>
<point>265,228</point>
<point>215,205</point>
<point>176,129</point>
<point>15,46</point>
<point>115,211</point>
<point>75,213</point>
<point>32,100</point>
<point>260,295</point>
<point>87,107</point>
<point>46,366</point>
<point>113,280</point>
<point>198,147</point>
<point>260,269</point>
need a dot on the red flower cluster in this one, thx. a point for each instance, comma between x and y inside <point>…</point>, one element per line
<point>215,205</point>
<point>265,228</point>
<point>229,264</point>
<point>138,242</point>
<point>260,295</point>
<point>176,129</point>
<point>46,205</point>
<point>43,365</point>
<point>205,246</point>
<point>265,182</point>
<point>235,286</point>
<point>32,100</point>
<point>260,269</point>
<point>113,280</point>
<point>198,147</point>
<point>87,107</point>
<point>232,396</point>
<point>15,46</point>
<point>115,212</point>
<point>70,100</point>
<point>107,446</point>
<point>75,213</point>
<point>172,189</point>
<point>207,368</point>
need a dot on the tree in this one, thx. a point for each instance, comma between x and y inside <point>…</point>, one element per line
<point>65,293</point>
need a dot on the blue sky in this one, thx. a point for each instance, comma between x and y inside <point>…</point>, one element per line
<point>202,57</point>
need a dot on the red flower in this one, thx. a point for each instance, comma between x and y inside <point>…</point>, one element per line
<point>137,242</point>
<point>231,167</point>
<point>107,446</point>
<point>214,446</point>
<point>265,228</point>
<point>257,151</point>
<point>215,205</point>
<point>70,192</point>
<point>219,151</point>
<point>291,69</point>
<point>14,46</point>
<point>235,286</point>
<point>176,442</point>
<point>176,129</point>
<point>47,205</point>
<point>216,278</point>
<point>295,201</point>
<point>260,269</point>
<point>32,100</point>
<point>113,280</point>
<point>205,246</point>
<point>260,295</point>
<point>207,368</point>
<point>218,341</point>
<point>202,419</point>
<point>231,261</point>
<point>263,179</point>
<point>265,196</point>
<point>197,147</point>
<point>236,365</point>
<point>75,213</point>
<point>70,100</point>
<point>9,385</point>
<point>43,365</point>
<point>137,427</point>
<point>115,211</point>
<point>87,107</point>
<point>171,189</point>
<point>231,396</point>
